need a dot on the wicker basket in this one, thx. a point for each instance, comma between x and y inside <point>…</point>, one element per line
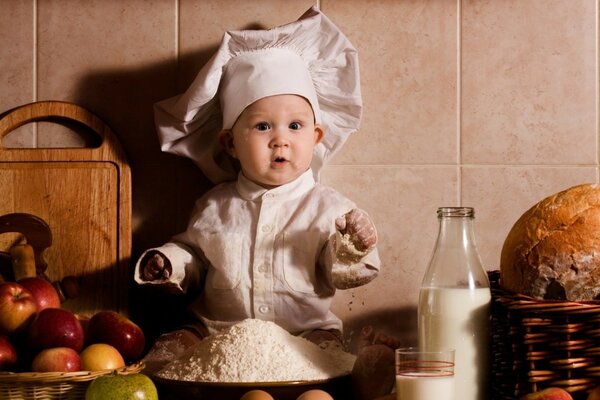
<point>53,385</point>
<point>543,343</point>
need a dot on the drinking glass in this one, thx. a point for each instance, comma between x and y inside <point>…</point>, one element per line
<point>424,375</point>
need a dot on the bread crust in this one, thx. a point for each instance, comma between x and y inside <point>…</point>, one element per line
<point>553,250</point>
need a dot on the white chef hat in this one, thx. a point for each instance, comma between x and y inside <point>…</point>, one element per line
<point>310,57</point>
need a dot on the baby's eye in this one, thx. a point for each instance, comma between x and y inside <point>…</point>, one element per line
<point>295,126</point>
<point>262,126</point>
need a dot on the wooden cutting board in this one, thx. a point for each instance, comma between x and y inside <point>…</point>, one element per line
<point>84,194</point>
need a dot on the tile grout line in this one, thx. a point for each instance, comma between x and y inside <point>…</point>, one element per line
<point>463,166</point>
<point>177,41</point>
<point>34,68</point>
<point>459,101</point>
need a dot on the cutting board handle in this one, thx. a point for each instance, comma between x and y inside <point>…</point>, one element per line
<point>48,111</point>
<point>57,111</point>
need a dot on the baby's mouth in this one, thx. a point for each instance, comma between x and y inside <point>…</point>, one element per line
<point>279,161</point>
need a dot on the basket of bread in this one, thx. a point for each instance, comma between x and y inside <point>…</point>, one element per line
<point>546,299</point>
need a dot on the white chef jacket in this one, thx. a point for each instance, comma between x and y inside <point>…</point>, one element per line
<point>266,254</point>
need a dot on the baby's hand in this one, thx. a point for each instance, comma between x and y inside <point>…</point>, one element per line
<point>356,237</point>
<point>359,228</point>
<point>155,266</point>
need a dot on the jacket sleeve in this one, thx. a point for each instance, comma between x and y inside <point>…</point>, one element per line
<point>343,275</point>
<point>187,267</point>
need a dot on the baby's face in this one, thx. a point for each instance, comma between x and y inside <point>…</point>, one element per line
<point>274,139</point>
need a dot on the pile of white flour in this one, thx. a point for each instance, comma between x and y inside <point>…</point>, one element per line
<point>258,351</point>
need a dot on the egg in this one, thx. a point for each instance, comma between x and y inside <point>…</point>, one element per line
<point>315,394</point>
<point>256,395</point>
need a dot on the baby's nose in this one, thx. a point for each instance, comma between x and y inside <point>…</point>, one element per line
<point>279,140</point>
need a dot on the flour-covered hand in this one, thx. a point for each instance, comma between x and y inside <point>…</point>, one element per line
<point>357,226</point>
<point>155,266</point>
<point>355,237</point>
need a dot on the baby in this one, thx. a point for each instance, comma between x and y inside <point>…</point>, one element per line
<point>268,241</point>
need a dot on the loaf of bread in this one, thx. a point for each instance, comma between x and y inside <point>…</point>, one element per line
<point>553,250</point>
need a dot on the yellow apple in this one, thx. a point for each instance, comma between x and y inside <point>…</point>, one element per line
<point>101,356</point>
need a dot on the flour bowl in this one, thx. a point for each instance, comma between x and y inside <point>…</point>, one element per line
<point>338,388</point>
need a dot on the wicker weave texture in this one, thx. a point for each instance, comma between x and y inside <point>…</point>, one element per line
<point>53,385</point>
<point>538,344</point>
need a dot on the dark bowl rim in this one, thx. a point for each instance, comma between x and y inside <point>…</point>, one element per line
<point>176,382</point>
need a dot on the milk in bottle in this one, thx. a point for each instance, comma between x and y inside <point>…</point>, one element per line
<point>454,303</point>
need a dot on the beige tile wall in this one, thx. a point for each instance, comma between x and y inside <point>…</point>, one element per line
<point>486,103</point>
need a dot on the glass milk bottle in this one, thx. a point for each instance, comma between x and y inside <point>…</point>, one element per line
<point>454,303</point>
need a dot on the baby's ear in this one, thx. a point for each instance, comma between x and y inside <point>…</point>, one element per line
<point>226,141</point>
<point>319,133</point>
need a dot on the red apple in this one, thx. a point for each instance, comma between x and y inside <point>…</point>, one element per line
<point>43,292</point>
<point>17,308</point>
<point>117,330</point>
<point>56,359</point>
<point>8,354</point>
<point>55,327</point>
<point>552,393</point>
<point>84,320</point>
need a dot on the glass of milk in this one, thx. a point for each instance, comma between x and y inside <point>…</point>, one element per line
<point>424,375</point>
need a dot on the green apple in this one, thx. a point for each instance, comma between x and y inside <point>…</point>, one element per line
<point>123,387</point>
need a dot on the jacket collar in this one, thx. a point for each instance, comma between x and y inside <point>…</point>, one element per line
<point>251,191</point>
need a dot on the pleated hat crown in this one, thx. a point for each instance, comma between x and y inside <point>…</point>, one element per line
<point>310,57</point>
